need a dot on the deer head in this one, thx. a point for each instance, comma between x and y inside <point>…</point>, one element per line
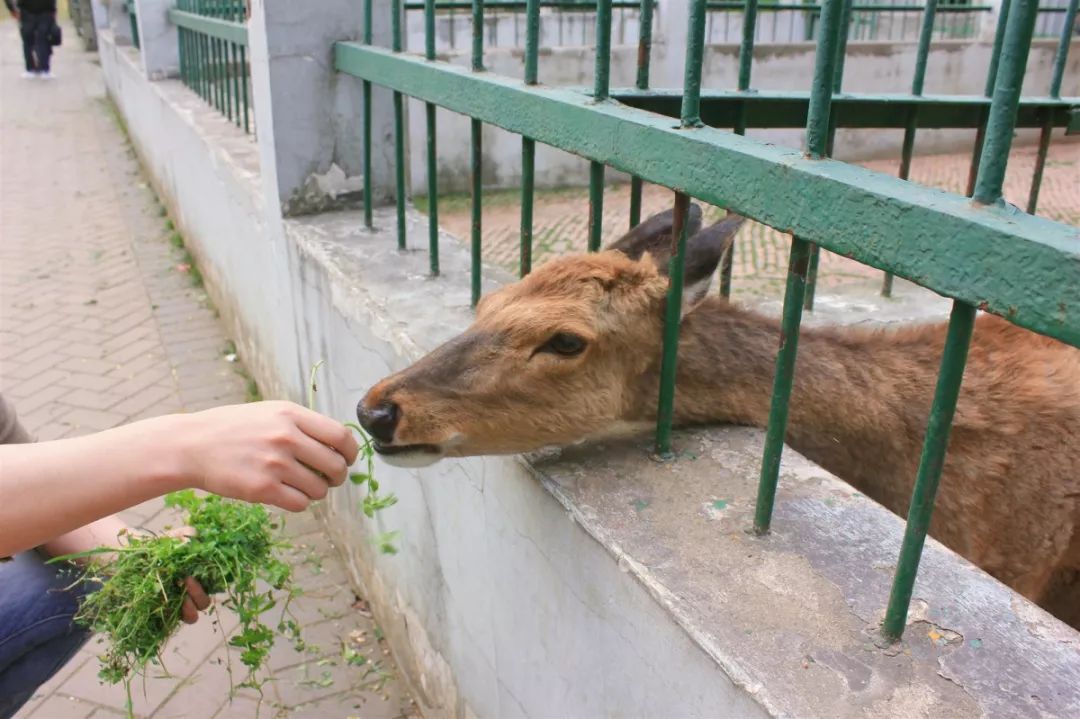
<point>550,360</point>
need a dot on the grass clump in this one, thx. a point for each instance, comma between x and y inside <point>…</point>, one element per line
<point>137,603</point>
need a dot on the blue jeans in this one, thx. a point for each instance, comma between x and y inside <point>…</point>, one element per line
<point>37,634</point>
<point>36,27</point>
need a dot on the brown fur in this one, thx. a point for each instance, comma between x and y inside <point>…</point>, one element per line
<point>1009,498</point>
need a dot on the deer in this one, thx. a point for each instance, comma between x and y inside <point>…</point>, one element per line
<point>571,353</point>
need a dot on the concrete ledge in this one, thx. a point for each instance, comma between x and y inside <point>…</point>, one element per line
<point>591,582</point>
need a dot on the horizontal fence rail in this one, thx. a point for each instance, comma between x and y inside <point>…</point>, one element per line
<point>768,109</point>
<point>213,41</point>
<point>976,249</point>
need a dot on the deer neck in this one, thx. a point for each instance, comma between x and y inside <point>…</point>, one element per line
<point>848,411</point>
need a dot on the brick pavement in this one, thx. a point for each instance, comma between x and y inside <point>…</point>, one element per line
<point>99,326</point>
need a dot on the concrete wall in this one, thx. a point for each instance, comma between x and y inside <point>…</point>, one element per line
<point>954,68</point>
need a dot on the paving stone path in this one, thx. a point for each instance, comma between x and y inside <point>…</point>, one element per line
<point>102,323</point>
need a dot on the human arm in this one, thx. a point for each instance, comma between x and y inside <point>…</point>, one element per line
<point>12,8</point>
<point>268,452</point>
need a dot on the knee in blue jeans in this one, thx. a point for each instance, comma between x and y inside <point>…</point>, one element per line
<point>37,632</point>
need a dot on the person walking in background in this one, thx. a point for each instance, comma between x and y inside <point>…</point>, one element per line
<point>37,24</point>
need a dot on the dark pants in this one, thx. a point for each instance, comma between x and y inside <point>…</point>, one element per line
<point>36,28</point>
<point>37,635</point>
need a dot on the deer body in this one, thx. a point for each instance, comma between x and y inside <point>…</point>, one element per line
<point>1009,498</point>
<point>573,351</point>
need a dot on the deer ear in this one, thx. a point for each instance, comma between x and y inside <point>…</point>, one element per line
<point>704,251</point>
<point>654,237</point>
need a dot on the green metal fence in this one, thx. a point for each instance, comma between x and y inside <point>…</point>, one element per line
<point>976,250</point>
<point>213,42</point>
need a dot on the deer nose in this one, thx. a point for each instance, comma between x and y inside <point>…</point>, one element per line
<point>380,421</point>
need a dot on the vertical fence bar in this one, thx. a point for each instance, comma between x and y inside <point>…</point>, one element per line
<point>197,42</point>
<point>215,49</point>
<point>180,45</point>
<point>208,60</point>
<point>369,221</point>
<point>1062,53</point>
<point>180,38</point>
<point>644,59</point>
<point>837,84</point>
<point>838,76</point>
<point>477,155</point>
<point>188,51</point>
<point>691,118</point>
<point>665,414</point>
<point>476,149</point>
<point>987,190</point>
<point>238,69</point>
<point>953,359</point>
<point>991,80</point>
<point>528,145</point>
<point>244,86</point>
<point>926,32</point>
<point>204,50</point>
<point>817,130</point>
<point>1060,57</point>
<point>226,48</point>
<point>1002,119</point>
<point>695,51</point>
<point>215,64</point>
<point>399,129</point>
<point>602,78</point>
<point>596,205</point>
<point>432,153</point>
<point>211,84</point>
<point>746,63</point>
<point>601,88</point>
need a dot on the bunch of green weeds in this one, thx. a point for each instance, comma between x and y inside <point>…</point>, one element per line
<point>136,605</point>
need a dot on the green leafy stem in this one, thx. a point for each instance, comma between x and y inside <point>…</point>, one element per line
<point>372,502</point>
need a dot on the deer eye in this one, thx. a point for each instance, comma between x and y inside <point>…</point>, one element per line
<point>564,344</point>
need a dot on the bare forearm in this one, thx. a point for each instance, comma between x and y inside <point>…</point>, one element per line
<point>269,452</point>
<point>49,489</point>
<point>106,532</point>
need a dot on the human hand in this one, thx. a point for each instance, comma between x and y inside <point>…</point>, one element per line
<point>195,601</point>
<point>275,453</point>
